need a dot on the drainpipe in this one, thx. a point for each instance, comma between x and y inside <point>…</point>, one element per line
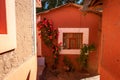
<point>34,27</point>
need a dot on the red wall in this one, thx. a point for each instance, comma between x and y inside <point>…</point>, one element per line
<point>73,17</point>
<point>3,29</point>
<point>110,57</point>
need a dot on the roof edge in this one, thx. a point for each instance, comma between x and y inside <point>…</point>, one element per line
<point>68,4</point>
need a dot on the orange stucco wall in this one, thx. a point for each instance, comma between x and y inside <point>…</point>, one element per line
<point>72,17</point>
<point>20,63</point>
<point>110,55</point>
<point>3,24</point>
<point>26,71</point>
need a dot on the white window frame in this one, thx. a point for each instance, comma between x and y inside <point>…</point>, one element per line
<point>85,32</point>
<point>8,41</point>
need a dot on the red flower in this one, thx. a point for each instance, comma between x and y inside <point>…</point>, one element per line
<point>59,44</point>
<point>54,29</point>
<point>48,30</point>
<point>51,27</point>
<point>44,22</point>
<point>50,22</point>
<point>56,48</point>
<point>55,56</point>
<point>40,36</point>
<point>50,37</point>
<point>52,49</point>
<point>39,27</point>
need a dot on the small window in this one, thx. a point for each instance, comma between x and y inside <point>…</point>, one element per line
<point>72,40</point>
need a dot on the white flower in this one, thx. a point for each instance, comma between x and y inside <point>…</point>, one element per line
<point>86,53</point>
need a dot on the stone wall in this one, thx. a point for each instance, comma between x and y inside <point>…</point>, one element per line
<point>24,22</point>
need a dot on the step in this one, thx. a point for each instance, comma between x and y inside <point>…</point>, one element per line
<point>92,78</point>
<point>41,65</point>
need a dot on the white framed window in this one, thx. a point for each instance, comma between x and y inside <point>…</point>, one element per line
<point>8,40</point>
<point>72,39</point>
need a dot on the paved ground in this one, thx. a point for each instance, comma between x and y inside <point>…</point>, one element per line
<point>48,75</point>
<point>44,74</point>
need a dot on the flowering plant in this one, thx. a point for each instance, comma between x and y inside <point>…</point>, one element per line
<point>49,36</point>
<point>85,50</point>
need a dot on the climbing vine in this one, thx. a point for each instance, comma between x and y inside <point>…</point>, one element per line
<point>49,35</point>
<point>85,50</point>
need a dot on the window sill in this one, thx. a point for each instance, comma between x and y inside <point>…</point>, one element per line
<point>71,51</point>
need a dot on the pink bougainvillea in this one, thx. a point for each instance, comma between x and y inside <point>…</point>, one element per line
<point>49,35</point>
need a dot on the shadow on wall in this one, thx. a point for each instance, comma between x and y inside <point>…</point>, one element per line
<point>28,76</point>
